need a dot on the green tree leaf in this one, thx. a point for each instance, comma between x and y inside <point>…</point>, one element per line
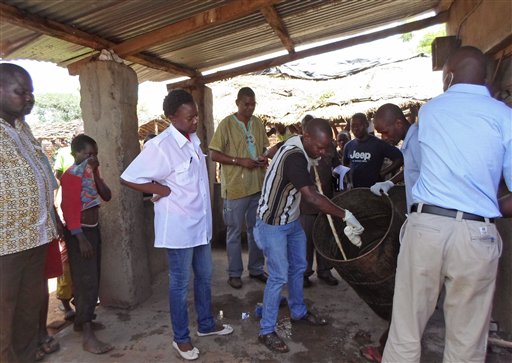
<point>57,107</point>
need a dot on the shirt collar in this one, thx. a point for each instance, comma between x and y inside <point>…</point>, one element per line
<point>412,129</point>
<point>469,88</point>
<point>178,136</point>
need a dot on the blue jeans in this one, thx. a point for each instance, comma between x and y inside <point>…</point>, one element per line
<point>285,250</point>
<point>181,262</point>
<point>235,212</point>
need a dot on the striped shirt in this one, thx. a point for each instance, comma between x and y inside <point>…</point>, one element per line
<point>287,174</point>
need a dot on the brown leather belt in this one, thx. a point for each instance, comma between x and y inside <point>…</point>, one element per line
<point>452,213</point>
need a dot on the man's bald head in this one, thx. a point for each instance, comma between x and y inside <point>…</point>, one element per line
<point>466,65</point>
<point>8,71</point>
<point>388,113</point>
<point>16,92</point>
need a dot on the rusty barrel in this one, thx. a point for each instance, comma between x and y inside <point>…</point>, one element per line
<point>369,270</point>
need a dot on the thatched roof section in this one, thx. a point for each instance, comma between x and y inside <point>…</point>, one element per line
<point>287,100</point>
<point>155,126</point>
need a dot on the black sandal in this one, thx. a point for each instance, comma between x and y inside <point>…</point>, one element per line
<point>274,342</point>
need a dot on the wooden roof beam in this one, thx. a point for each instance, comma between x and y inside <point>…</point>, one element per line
<point>234,10</point>
<point>277,24</point>
<point>360,39</point>
<point>73,35</point>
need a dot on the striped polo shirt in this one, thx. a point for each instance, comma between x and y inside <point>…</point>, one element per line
<point>287,174</point>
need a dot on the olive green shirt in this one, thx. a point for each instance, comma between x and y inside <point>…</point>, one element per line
<point>230,139</point>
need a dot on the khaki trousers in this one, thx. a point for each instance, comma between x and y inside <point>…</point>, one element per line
<point>21,278</point>
<point>463,256</point>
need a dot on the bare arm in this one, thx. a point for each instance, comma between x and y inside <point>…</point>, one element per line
<point>270,153</point>
<point>233,160</point>
<point>505,204</point>
<point>150,188</point>
<point>321,202</point>
<point>103,189</point>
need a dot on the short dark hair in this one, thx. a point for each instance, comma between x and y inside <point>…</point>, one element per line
<point>245,91</point>
<point>8,70</point>
<point>360,116</point>
<point>318,126</point>
<point>80,141</point>
<point>343,135</point>
<point>175,99</point>
<point>389,112</point>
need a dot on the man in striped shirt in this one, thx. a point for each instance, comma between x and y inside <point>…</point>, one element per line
<point>278,230</point>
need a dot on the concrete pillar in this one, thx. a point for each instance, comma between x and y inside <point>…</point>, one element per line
<point>204,98</point>
<point>109,110</point>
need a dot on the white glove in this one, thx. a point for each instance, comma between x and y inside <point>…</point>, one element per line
<point>352,237</point>
<point>382,187</point>
<point>351,221</point>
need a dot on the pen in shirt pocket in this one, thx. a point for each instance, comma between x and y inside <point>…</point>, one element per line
<point>190,160</point>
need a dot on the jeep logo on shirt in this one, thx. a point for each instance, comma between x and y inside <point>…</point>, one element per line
<point>360,156</point>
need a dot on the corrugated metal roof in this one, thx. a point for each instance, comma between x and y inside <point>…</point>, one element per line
<point>233,41</point>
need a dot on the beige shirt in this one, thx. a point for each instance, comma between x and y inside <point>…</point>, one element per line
<point>230,139</point>
<point>26,191</point>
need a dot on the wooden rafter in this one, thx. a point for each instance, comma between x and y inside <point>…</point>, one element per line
<point>71,34</point>
<point>8,47</point>
<point>235,9</point>
<point>277,24</point>
<point>444,5</point>
<point>258,66</point>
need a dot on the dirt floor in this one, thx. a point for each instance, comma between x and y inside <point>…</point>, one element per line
<point>143,334</point>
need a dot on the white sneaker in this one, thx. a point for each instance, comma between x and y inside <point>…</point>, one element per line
<point>189,354</point>
<point>227,329</point>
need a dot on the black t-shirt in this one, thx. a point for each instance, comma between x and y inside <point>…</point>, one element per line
<point>365,159</point>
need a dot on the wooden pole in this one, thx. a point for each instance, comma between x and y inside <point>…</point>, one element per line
<point>329,217</point>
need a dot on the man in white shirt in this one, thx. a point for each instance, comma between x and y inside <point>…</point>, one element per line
<point>173,167</point>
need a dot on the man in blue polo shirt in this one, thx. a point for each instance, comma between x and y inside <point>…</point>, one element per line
<point>450,238</point>
<point>365,155</point>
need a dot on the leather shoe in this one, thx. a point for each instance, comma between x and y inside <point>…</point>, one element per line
<point>310,319</point>
<point>307,282</point>
<point>235,282</point>
<point>328,279</point>
<point>263,277</point>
